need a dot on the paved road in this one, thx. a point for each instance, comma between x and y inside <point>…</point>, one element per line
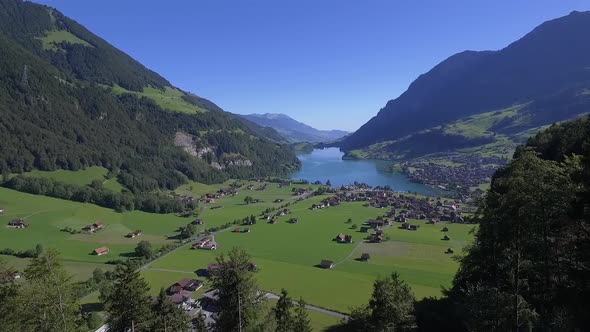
<point>311,307</point>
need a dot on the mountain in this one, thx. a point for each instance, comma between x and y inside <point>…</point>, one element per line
<point>293,130</point>
<point>487,98</point>
<point>70,100</point>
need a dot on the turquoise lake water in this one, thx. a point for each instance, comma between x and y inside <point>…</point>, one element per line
<point>327,164</point>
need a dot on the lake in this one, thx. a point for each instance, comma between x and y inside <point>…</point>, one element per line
<point>327,164</point>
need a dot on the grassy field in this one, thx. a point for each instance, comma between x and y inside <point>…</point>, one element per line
<point>169,99</point>
<point>79,178</point>
<point>58,36</point>
<point>287,254</point>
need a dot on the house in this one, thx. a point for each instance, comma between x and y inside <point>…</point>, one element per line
<point>99,225</point>
<point>101,251</point>
<point>340,237</point>
<point>327,264</point>
<point>376,238</point>
<point>450,251</point>
<point>185,284</point>
<point>413,227</point>
<point>348,238</point>
<point>18,223</point>
<point>365,229</point>
<point>206,244</point>
<point>1,210</point>
<point>293,220</point>
<point>135,233</point>
<point>365,257</point>
<point>197,222</point>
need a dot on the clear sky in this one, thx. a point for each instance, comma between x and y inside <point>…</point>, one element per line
<point>329,63</point>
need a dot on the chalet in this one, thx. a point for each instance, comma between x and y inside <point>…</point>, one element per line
<point>340,237</point>
<point>18,223</point>
<point>197,222</point>
<point>375,223</point>
<point>327,264</point>
<point>405,225</point>
<point>101,251</point>
<point>376,238</point>
<point>134,234</point>
<point>365,257</point>
<point>273,221</point>
<point>445,229</point>
<point>348,238</point>
<point>97,226</point>
<point>185,284</point>
<point>206,244</point>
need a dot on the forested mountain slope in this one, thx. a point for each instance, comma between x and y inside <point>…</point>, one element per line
<point>69,100</point>
<point>529,264</point>
<point>545,75</point>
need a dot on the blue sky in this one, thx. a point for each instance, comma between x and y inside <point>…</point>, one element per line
<point>329,63</point>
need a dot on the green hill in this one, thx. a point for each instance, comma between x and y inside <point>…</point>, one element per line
<point>119,114</point>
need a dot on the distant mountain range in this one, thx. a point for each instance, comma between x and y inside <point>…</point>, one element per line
<point>293,130</point>
<point>488,99</point>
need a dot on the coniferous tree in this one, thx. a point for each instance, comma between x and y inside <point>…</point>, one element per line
<point>282,313</point>
<point>166,316</point>
<point>128,302</point>
<point>239,298</point>
<point>199,323</point>
<point>47,301</point>
<point>301,321</point>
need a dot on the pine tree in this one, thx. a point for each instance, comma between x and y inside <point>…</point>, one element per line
<point>128,302</point>
<point>199,323</point>
<point>301,322</point>
<point>47,301</point>
<point>166,316</point>
<point>391,304</point>
<point>282,312</point>
<point>239,298</point>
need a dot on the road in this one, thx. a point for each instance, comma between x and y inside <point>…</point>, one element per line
<point>311,307</point>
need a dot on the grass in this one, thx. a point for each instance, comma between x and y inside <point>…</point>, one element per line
<point>79,178</point>
<point>169,99</point>
<point>287,254</point>
<point>54,37</point>
<point>48,216</point>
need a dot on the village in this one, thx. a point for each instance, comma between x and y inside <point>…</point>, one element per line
<point>459,174</point>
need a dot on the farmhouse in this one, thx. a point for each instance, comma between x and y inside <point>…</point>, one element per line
<point>18,223</point>
<point>134,234</point>
<point>365,257</point>
<point>365,229</point>
<point>97,226</point>
<point>340,237</point>
<point>327,264</point>
<point>187,284</point>
<point>205,244</point>
<point>101,251</point>
<point>348,239</point>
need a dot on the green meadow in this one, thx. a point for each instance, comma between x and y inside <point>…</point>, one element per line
<point>57,36</point>
<point>287,254</point>
<point>169,98</point>
<point>79,178</point>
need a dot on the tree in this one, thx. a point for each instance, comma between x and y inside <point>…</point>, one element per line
<point>47,301</point>
<point>38,250</point>
<point>93,320</point>
<point>248,200</point>
<point>189,231</point>
<point>9,320</point>
<point>354,226</point>
<point>252,219</point>
<point>282,312</point>
<point>349,221</point>
<point>199,323</point>
<point>144,249</point>
<point>328,183</point>
<point>128,303</point>
<point>239,298</point>
<point>166,316</point>
<point>390,307</point>
<point>301,322</point>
